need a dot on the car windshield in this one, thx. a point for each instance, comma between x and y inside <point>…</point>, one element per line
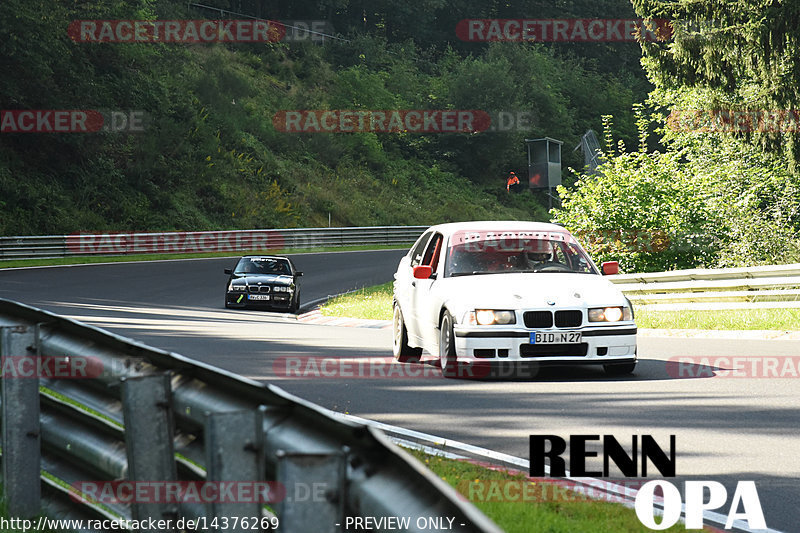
<point>486,252</point>
<point>263,265</point>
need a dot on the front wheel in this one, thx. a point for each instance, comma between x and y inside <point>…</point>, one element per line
<point>620,369</point>
<point>295,305</point>
<point>402,352</point>
<point>448,360</point>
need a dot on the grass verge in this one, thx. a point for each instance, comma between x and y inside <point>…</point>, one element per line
<point>370,302</point>
<point>538,509</point>
<point>731,319</point>
<point>376,302</point>
<point>17,263</point>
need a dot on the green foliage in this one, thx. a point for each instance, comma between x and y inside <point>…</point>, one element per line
<point>738,54</point>
<point>703,203</point>
<point>210,156</point>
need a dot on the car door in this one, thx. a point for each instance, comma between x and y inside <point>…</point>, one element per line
<point>424,316</point>
<point>404,277</point>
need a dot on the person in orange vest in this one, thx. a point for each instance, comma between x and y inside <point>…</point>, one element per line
<point>512,180</point>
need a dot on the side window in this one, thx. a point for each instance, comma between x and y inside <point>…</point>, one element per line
<point>577,260</point>
<point>431,257</point>
<point>416,251</point>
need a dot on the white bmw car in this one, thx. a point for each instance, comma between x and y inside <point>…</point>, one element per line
<point>481,294</point>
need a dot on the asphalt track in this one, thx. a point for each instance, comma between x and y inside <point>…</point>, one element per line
<point>727,429</point>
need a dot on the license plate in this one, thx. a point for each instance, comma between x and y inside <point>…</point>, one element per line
<point>258,296</point>
<point>555,337</point>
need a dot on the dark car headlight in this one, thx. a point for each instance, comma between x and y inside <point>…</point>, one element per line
<point>234,288</point>
<point>282,288</point>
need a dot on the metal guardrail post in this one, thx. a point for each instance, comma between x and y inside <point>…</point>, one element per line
<point>234,448</point>
<point>147,412</point>
<point>316,505</point>
<point>21,427</point>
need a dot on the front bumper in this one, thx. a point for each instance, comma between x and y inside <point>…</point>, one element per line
<point>599,345</point>
<point>282,300</point>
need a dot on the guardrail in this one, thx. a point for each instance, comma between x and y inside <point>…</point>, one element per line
<point>748,287</point>
<point>765,286</point>
<point>137,414</point>
<point>111,244</point>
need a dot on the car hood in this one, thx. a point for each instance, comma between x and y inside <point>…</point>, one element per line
<point>255,279</point>
<point>530,290</point>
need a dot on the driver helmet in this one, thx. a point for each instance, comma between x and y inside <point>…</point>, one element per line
<point>540,257</point>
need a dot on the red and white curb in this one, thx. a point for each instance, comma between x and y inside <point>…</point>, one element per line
<point>316,317</point>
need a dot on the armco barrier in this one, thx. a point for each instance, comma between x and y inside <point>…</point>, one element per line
<point>765,286</point>
<point>770,286</point>
<point>134,413</point>
<point>111,244</point>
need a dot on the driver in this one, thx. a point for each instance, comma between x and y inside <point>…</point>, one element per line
<point>535,258</point>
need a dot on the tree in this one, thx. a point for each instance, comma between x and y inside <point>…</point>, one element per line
<point>738,54</point>
<point>700,204</point>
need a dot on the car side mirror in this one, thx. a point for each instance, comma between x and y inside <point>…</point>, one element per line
<point>609,268</point>
<point>423,271</point>
<point>298,274</point>
<point>228,271</point>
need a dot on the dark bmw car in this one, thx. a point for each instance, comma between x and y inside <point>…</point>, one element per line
<point>265,282</point>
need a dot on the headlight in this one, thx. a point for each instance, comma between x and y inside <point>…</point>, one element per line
<point>282,288</point>
<point>486,317</point>
<point>233,287</point>
<point>610,314</point>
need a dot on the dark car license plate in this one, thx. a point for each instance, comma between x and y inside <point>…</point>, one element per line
<point>258,296</point>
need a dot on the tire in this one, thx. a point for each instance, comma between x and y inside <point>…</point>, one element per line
<point>295,303</point>
<point>400,349</point>
<point>620,369</point>
<point>448,360</point>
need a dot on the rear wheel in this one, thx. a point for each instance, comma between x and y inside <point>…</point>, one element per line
<point>400,349</point>
<point>620,369</point>
<point>448,360</point>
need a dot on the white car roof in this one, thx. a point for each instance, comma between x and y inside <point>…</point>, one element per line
<point>496,225</point>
